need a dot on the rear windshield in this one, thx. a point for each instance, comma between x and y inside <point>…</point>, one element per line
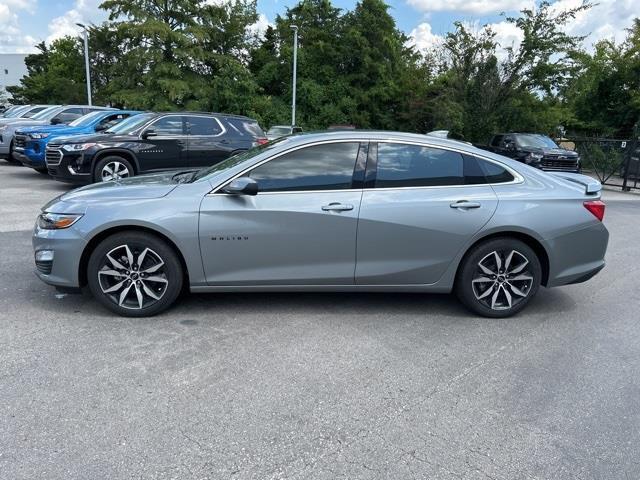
<point>246,126</point>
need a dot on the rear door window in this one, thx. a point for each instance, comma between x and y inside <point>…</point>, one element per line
<point>405,165</point>
<point>478,171</point>
<point>207,126</point>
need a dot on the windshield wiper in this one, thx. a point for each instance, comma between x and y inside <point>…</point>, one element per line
<point>185,177</point>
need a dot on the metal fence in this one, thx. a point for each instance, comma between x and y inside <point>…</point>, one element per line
<point>612,161</point>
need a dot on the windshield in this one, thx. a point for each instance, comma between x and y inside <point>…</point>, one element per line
<point>16,111</point>
<point>47,113</point>
<point>279,130</point>
<point>538,141</point>
<point>239,158</point>
<point>86,119</point>
<point>131,123</point>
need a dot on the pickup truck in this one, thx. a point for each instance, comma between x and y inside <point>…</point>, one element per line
<point>536,150</point>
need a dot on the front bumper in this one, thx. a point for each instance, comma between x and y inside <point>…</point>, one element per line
<point>29,158</point>
<point>69,168</point>
<point>67,246</point>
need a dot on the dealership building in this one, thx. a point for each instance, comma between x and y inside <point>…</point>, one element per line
<point>12,69</point>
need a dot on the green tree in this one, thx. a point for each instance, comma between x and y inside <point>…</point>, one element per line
<point>54,75</point>
<point>603,95</point>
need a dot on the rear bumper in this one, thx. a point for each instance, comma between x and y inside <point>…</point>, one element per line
<point>577,256</point>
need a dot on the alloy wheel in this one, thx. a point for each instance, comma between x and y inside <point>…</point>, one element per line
<point>133,277</point>
<point>502,279</point>
<point>114,171</point>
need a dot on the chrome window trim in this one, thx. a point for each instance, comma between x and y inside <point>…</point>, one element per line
<point>517,178</point>
<point>222,127</point>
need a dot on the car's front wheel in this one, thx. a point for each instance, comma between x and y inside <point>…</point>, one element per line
<point>498,277</point>
<point>112,168</point>
<point>10,158</point>
<point>135,274</point>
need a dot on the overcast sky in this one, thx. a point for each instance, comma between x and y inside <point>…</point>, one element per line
<point>23,23</point>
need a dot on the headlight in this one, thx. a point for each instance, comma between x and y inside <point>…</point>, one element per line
<point>57,221</point>
<point>534,157</point>
<point>77,147</point>
<point>3,128</point>
<point>37,136</point>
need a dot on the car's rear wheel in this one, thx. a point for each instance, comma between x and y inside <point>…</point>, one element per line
<point>135,274</point>
<point>498,277</point>
<point>112,167</point>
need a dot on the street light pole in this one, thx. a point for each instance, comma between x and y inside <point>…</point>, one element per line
<point>295,74</point>
<point>86,61</point>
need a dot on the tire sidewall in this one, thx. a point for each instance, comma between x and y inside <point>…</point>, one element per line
<point>467,270</point>
<point>173,270</point>
<point>97,170</point>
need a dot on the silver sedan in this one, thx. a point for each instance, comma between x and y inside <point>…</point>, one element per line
<point>334,211</point>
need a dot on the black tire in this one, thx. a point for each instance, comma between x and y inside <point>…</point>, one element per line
<point>476,287</point>
<point>164,282</point>
<point>10,158</point>
<point>99,168</point>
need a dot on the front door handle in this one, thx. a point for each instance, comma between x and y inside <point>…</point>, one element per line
<point>464,204</point>
<point>337,207</point>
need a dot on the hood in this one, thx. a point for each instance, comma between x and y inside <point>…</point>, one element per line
<point>95,138</point>
<point>136,188</point>
<point>48,129</point>
<point>551,151</point>
<point>30,121</point>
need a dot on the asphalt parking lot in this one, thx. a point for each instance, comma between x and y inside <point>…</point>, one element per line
<point>298,386</point>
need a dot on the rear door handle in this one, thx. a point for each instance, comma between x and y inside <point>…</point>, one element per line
<point>464,204</point>
<point>337,207</point>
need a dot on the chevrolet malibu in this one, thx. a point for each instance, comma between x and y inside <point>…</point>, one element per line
<point>334,211</point>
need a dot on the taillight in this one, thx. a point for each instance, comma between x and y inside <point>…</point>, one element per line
<point>596,207</point>
<point>262,140</point>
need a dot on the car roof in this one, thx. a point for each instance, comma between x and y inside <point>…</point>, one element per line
<point>208,114</point>
<point>380,135</point>
<point>383,135</point>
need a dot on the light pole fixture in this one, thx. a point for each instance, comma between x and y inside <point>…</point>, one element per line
<point>86,61</point>
<point>295,74</point>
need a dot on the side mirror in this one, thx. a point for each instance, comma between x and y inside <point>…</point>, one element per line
<point>149,133</point>
<point>510,146</point>
<point>56,121</point>
<point>242,186</point>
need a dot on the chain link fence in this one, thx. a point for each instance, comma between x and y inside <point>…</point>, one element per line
<point>613,162</point>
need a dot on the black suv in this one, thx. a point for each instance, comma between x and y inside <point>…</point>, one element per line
<point>536,150</point>
<point>151,142</point>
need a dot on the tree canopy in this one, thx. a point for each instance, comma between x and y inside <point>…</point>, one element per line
<point>354,67</point>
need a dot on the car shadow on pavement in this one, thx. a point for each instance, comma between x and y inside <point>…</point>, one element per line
<point>29,174</point>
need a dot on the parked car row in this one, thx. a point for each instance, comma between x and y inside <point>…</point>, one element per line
<point>81,144</point>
